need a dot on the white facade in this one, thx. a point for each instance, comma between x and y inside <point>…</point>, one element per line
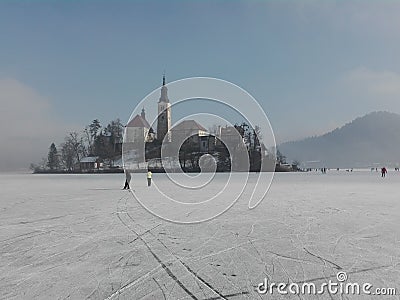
<point>164,115</point>
<point>138,130</point>
<point>137,134</point>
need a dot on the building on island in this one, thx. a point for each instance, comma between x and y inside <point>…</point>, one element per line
<point>90,163</point>
<point>183,144</point>
<point>138,130</point>
<point>193,133</point>
<point>164,115</point>
<point>229,135</point>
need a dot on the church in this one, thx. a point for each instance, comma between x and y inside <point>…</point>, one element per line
<point>139,129</point>
<point>143,144</point>
<point>164,115</point>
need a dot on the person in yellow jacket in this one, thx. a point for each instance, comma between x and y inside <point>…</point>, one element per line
<point>149,174</point>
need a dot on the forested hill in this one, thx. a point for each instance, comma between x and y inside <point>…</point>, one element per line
<point>368,141</point>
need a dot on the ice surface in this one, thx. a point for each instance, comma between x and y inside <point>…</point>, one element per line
<point>82,237</point>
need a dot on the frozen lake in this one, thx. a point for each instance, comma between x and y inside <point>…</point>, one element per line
<point>82,237</point>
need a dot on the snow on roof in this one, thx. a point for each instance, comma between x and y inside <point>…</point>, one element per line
<point>138,121</point>
<point>188,125</point>
<point>89,159</point>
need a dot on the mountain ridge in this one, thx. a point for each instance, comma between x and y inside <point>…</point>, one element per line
<point>368,141</point>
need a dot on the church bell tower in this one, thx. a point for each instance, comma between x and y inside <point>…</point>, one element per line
<point>164,115</point>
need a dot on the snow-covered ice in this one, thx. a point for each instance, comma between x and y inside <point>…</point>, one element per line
<point>82,237</point>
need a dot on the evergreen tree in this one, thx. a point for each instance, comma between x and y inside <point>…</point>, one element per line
<point>281,159</point>
<point>90,133</point>
<point>53,162</point>
<point>94,128</point>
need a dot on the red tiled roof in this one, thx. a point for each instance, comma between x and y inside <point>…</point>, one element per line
<point>189,125</point>
<point>138,121</point>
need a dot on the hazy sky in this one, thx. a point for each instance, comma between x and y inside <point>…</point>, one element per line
<point>313,65</point>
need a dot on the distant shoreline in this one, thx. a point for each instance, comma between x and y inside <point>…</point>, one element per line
<point>119,171</point>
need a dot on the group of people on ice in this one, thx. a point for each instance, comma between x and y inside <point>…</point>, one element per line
<point>128,178</point>
<point>384,170</point>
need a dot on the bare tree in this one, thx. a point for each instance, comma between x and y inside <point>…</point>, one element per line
<point>256,137</point>
<point>67,156</point>
<point>72,150</point>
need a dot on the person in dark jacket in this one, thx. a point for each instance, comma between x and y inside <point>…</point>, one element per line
<point>127,180</point>
<point>384,172</point>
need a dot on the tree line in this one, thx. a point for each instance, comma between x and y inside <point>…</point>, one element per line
<point>106,143</point>
<point>94,140</point>
<point>251,137</point>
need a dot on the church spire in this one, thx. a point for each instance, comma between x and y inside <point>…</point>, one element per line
<point>143,113</point>
<point>164,114</point>
<point>164,92</point>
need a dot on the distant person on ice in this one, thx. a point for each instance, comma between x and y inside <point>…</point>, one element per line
<point>149,174</point>
<point>127,180</point>
<point>384,172</point>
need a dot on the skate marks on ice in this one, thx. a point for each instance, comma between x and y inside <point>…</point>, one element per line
<point>306,236</point>
<point>239,267</point>
<point>170,259</point>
